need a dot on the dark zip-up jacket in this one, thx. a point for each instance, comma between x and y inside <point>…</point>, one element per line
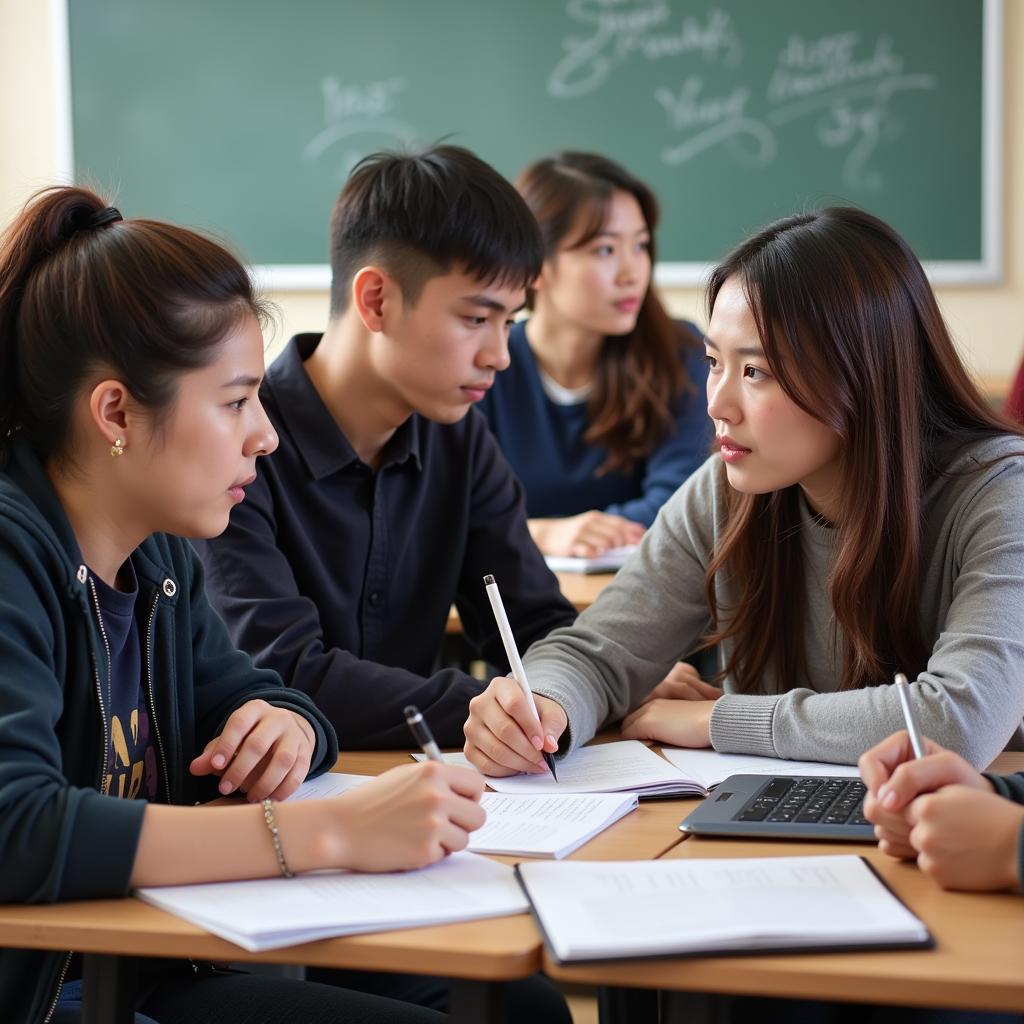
<point>60,838</point>
<point>1012,787</point>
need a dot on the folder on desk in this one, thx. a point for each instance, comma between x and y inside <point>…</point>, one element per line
<point>593,910</point>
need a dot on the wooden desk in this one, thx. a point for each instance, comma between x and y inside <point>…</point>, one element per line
<point>980,938</point>
<point>477,955</point>
<point>976,965</point>
<point>578,587</point>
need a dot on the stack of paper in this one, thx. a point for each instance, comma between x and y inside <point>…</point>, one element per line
<point>275,912</point>
<point>546,826</point>
<point>527,826</point>
<point>609,910</point>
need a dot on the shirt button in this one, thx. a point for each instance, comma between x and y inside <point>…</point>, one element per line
<point>376,598</point>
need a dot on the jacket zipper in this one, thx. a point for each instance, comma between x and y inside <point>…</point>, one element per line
<point>149,697</point>
<point>99,688</point>
<point>60,986</point>
<point>103,775</point>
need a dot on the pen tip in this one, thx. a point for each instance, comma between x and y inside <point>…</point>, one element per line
<point>488,580</point>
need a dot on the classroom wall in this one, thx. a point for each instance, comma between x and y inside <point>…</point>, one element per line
<point>988,322</point>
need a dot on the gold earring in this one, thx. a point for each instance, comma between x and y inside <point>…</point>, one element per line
<point>117,448</point>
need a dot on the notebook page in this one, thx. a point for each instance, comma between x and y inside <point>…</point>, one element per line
<point>327,785</point>
<point>711,768</point>
<point>546,826</point>
<point>623,766</point>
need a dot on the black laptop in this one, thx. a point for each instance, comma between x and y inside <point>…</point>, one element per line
<point>786,807</point>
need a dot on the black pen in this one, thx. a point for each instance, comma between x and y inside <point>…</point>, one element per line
<point>421,733</point>
<point>514,661</point>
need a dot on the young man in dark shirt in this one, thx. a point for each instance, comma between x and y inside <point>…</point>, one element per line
<point>388,498</point>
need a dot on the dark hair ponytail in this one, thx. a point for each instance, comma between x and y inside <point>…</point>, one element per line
<point>85,293</point>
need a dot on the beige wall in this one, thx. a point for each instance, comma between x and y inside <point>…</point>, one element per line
<point>988,322</point>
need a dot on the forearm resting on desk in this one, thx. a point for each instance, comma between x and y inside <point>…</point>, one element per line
<point>407,818</point>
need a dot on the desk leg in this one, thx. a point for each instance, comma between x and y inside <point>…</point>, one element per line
<point>108,989</point>
<point>477,1002</point>
<point>627,1005</point>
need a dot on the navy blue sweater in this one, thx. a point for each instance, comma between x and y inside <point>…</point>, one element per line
<point>544,443</point>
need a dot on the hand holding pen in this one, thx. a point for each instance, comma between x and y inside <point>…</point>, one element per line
<point>515,662</point>
<point>901,768</point>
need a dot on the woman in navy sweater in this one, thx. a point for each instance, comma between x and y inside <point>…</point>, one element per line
<point>602,412</point>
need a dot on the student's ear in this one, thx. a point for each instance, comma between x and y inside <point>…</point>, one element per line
<point>110,407</point>
<point>541,280</point>
<point>371,291</point>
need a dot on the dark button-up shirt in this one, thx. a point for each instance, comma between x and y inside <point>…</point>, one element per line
<point>341,577</point>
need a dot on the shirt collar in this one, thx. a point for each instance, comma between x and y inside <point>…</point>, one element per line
<point>319,440</point>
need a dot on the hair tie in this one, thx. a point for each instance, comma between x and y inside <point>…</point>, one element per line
<point>105,216</point>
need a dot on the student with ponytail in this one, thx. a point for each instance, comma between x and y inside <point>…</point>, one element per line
<point>861,518</point>
<point>130,358</point>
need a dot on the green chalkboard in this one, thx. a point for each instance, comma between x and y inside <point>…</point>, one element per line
<point>244,116</point>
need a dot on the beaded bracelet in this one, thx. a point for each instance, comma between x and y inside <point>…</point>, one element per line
<point>275,835</point>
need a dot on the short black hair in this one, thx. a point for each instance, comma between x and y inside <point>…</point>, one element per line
<point>419,215</point>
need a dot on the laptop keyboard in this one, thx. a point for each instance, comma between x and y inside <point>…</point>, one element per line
<point>810,801</point>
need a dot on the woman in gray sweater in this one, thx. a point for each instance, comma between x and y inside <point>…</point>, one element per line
<point>860,517</point>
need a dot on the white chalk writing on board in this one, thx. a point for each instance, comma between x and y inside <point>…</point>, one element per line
<point>848,96</point>
<point>362,117</point>
<point>623,30</point>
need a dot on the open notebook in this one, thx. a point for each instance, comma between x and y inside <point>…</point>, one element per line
<point>631,766</point>
<point>527,826</point>
<point>594,910</point>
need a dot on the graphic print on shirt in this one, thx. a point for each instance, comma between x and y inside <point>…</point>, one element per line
<point>132,758</point>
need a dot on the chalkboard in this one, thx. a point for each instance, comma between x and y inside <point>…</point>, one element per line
<point>244,116</point>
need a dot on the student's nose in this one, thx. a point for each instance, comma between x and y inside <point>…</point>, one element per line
<point>262,439</point>
<point>629,267</point>
<point>494,355</point>
<point>722,404</point>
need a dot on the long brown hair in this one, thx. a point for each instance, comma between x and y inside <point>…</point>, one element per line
<point>83,292</point>
<point>640,375</point>
<point>853,334</point>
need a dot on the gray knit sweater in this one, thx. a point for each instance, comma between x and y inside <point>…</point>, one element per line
<point>970,697</point>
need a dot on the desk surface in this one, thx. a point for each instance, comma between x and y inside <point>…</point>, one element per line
<point>578,587</point>
<point>496,949</point>
<point>976,963</point>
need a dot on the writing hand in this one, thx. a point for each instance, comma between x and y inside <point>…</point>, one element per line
<point>503,736</point>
